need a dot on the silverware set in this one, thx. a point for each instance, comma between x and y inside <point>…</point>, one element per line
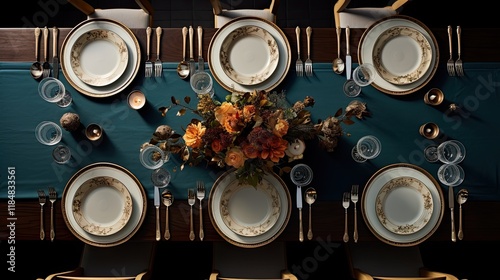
<point>347,198</point>
<point>42,199</point>
<point>200,194</point>
<point>301,67</point>
<point>151,67</point>
<point>455,68</point>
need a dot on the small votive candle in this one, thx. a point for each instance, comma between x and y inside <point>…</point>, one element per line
<point>296,148</point>
<point>136,99</point>
<point>93,132</point>
<point>429,130</point>
<point>434,97</point>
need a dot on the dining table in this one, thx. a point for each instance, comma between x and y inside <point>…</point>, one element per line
<point>27,165</point>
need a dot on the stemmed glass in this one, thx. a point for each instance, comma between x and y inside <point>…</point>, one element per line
<point>368,147</point>
<point>52,90</point>
<point>301,175</point>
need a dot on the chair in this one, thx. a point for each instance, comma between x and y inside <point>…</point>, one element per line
<point>363,17</point>
<point>265,262</point>
<point>381,261</point>
<point>133,18</point>
<point>222,16</point>
<point>127,261</point>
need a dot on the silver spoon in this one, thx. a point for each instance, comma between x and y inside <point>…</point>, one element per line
<point>36,68</point>
<point>183,66</point>
<point>310,199</point>
<point>167,198</point>
<point>338,63</point>
<point>462,196</point>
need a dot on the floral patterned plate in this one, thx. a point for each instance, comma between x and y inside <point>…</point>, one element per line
<point>248,210</point>
<point>102,205</point>
<point>404,205</point>
<point>249,55</point>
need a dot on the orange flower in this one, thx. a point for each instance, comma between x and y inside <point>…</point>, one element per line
<point>251,150</point>
<point>193,135</point>
<point>280,128</point>
<point>235,157</point>
<point>217,145</point>
<point>274,148</point>
<point>248,112</point>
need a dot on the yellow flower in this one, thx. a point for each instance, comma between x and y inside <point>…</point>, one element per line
<point>193,135</point>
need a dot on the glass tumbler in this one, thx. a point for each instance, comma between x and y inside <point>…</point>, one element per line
<point>202,83</point>
<point>451,152</point>
<point>48,133</point>
<point>52,90</point>
<point>61,154</point>
<point>451,174</point>
<point>367,147</point>
<point>152,157</point>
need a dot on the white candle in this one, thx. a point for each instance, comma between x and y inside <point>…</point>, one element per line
<point>296,147</point>
<point>136,100</point>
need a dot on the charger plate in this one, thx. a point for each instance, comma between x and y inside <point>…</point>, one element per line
<point>102,205</point>
<point>404,205</point>
<point>217,66</point>
<point>99,57</point>
<point>369,203</point>
<point>134,187</point>
<point>375,31</point>
<point>229,181</point>
<point>133,62</point>
<point>249,55</point>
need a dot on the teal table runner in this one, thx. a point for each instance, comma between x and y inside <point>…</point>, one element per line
<point>395,120</point>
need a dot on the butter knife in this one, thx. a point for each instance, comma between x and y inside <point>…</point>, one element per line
<point>299,206</point>
<point>157,206</point>
<point>55,59</point>
<point>451,202</point>
<point>192,65</point>
<point>201,63</point>
<point>348,60</point>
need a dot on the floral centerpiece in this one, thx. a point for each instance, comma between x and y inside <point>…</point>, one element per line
<point>252,132</point>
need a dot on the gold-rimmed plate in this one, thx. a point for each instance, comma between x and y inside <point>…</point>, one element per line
<point>102,205</point>
<point>249,210</point>
<point>228,180</point>
<point>402,55</point>
<point>370,37</point>
<point>369,203</point>
<point>99,57</point>
<point>216,65</point>
<point>404,205</point>
<point>249,55</point>
<point>133,185</point>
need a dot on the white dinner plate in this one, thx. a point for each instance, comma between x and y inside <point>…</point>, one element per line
<point>133,63</point>
<point>370,37</point>
<point>229,180</point>
<point>369,203</point>
<point>102,205</point>
<point>99,57</point>
<point>216,65</point>
<point>404,205</point>
<point>249,55</point>
<point>402,55</point>
<point>248,210</point>
<point>137,193</point>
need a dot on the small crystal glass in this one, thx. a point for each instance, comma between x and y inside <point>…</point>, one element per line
<point>152,157</point>
<point>202,83</point>
<point>451,152</point>
<point>48,133</point>
<point>160,177</point>
<point>451,174</point>
<point>52,90</point>
<point>61,154</point>
<point>367,147</point>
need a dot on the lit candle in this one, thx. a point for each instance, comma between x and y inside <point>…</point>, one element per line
<point>136,99</point>
<point>296,148</point>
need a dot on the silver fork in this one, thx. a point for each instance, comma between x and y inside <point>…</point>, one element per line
<point>354,199</point>
<point>345,204</point>
<point>458,63</point>
<point>158,65</point>
<point>450,65</point>
<point>149,65</point>
<point>41,199</point>
<point>191,201</point>
<point>200,193</point>
<point>309,65</point>
<point>52,198</point>
<point>299,69</point>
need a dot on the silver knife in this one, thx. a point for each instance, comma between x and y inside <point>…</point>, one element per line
<point>192,65</point>
<point>201,63</point>
<point>348,60</point>
<point>157,206</point>
<point>451,202</point>
<point>55,59</point>
<point>299,206</point>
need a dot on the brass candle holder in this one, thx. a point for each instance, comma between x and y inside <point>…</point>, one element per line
<point>93,132</point>
<point>429,130</point>
<point>434,97</point>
